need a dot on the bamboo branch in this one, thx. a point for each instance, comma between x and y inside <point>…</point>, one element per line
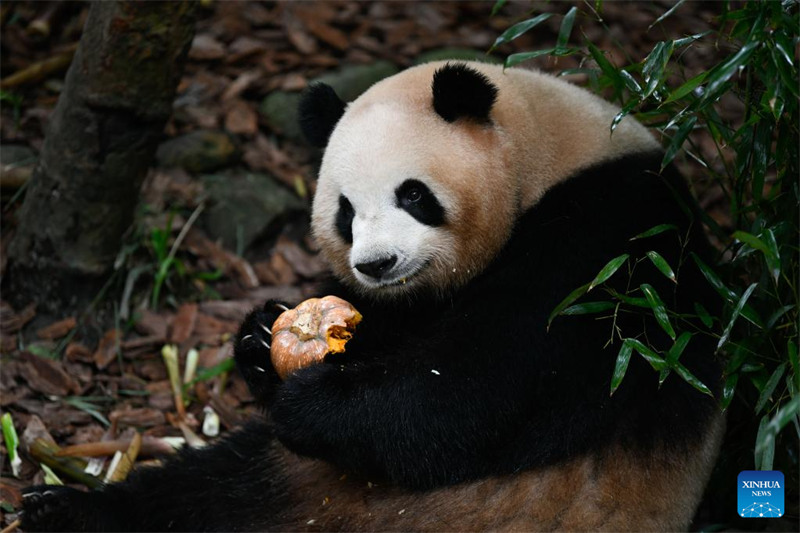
<point>40,70</point>
<point>45,453</point>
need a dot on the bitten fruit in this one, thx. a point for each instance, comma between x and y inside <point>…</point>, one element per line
<point>304,335</point>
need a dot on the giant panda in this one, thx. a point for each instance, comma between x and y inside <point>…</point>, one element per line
<point>457,205</point>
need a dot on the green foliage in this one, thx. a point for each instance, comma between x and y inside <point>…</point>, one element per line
<point>159,243</point>
<point>14,100</point>
<point>756,170</point>
<point>168,266</point>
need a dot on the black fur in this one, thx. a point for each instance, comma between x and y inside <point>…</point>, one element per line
<point>460,91</point>
<point>319,111</point>
<point>439,391</point>
<point>418,201</point>
<point>344,219</point>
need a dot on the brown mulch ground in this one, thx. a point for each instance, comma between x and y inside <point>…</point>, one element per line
<point>77,380</point>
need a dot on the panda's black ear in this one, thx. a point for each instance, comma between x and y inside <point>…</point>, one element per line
<point>319,111</point>
<point>461,91</point>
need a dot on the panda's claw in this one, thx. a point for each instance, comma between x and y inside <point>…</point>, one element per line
<point>252,350</point>
<point>50,508</point>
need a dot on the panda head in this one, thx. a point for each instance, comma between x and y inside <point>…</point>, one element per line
<point>414,193</point>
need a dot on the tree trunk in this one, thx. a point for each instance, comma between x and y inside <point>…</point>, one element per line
<point>100,143</point>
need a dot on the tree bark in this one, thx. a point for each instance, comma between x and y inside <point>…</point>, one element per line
<point>101,140</point>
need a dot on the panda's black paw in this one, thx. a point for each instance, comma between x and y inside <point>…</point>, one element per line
<point>54,508</point>
<point>251,350</point>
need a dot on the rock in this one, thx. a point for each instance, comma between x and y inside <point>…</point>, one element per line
<point>16,165</point>
<point>242,206</point>
<point>280,107</point>
<point>350,82</point>
<point>17,155</point>
<point>280,110</point>
<point>462,54</point>
<point>205,48</point>
<point>199,151</point>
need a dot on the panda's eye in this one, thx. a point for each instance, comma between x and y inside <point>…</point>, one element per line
<point>414,195</point>
<point>416,199</point>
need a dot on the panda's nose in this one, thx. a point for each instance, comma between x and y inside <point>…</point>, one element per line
<point>376,269</point>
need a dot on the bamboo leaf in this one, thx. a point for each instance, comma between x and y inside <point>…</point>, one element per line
<point>498,5</point>
<point>714,280</point>
<point>728,390</point>
<point>661,264</point>
<point>677,141</point>
<point>666,14</point>
<point>784,415</point>
<point>772,255</point>
<point>87,407</point>
<point>767,431</point>
<point>566,29</point>
<point>621,366</point>
<point>690,39</point>
<point>625,111</point>
<point>632,85</point>
<point>655,230</point>
<point>608,271</point>
<point>762,144</point>
<point>787,73</point>
<point>769,387</point>
<point>688,86</point>
<point>781,311</point>
<point>674,354</point>
<point>588,308</point>
<point>516,59</point>
<point>654,65</point>
<point>630,300</point>
<point>208,373</point>
<point>608,69</point>
<point>519,28</point>
<point>763,441</point>
<point>691,379</point>
<point>730,296</point>
<point>705,318</point>
<point>678,348</point>
<point>791,349</point>
<point>571,297</point>
<point>719,75</point>
<point>659,310</point>
<point>655,360</point>
<point>738,309</point>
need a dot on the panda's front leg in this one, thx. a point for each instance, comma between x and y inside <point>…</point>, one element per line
<point>415,421</point>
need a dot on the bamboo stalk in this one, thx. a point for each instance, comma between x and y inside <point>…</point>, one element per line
<point>44,452</point>
<point>12,526</point>
<point>150,446</point>
<point>125,464</point>
<point>40,70</point>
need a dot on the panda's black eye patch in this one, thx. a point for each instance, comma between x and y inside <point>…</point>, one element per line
<point>417,200</point>
<point>344,219</point>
